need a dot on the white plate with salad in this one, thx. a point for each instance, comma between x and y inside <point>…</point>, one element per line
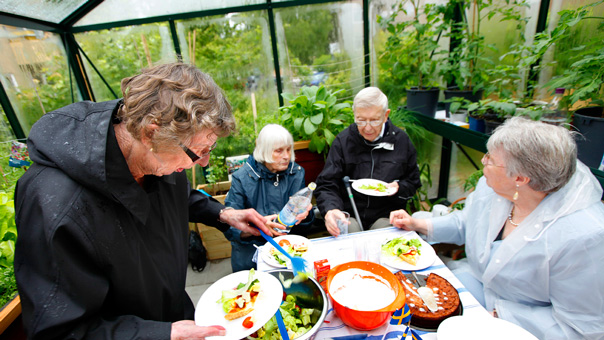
<point>295,245</point>
<point>398,252</point>
<point>373,187</point>
<point>210,310</point>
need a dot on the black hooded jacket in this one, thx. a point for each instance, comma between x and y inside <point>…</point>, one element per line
<point>390,158</point>
<point>99,257</point>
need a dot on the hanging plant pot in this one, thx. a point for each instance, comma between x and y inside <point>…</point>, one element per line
<point>589,122</point>
<point>423,101</point>
<point>454,91</point>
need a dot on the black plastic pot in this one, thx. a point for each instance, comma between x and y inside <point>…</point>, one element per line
<point>456,92</point>
<point>589,122</point>
<point>423,101</point>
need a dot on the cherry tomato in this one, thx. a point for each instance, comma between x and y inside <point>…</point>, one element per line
<point>284,243</point>
<point>248,323</point>
<point>284,296</point>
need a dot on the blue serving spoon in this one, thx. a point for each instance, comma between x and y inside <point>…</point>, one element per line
<point>298,264</point>
<point>281,325</point>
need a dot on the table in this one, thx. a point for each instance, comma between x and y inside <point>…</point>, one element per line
<point>341,250</point>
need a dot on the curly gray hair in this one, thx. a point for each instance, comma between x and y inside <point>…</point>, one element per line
<point>547,154</point>
<point>179,98</point>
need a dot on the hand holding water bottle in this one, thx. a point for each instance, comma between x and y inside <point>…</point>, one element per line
<point>296,209</point>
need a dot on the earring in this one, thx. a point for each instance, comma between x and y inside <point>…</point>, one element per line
<point>515,197</point>
<point>151,150</point>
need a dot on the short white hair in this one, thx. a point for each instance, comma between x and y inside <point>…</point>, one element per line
<point>370,97</point>
<point>270,138</point>
<point>547,154</point>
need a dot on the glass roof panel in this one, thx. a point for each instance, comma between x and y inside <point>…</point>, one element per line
<point>51,11</point>
<point>113,10</point>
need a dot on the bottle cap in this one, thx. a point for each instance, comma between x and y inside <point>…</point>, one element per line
<point>560,90</point>
<point>312,186</point>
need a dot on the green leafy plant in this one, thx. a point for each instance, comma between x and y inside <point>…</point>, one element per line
<point>8,229</point>
<point>586,74</point>
<point>8,237</point>
<point>420,200</point>
<point>467,65</point>
<point>315,115</point>
<point>459,103</point>
<point>412,43</point>
<point>216,171</point>
<point>8,285</point>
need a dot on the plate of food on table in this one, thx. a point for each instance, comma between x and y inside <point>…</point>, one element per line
<point>431,299</point>
<point>241,302</point>
<point>295,245</point>
<point>373,187</point>
<point>407,253</point>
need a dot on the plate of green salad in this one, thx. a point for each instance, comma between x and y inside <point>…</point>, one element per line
<point>401,252</point>
<point>295,245</point>
<point>373,187</point>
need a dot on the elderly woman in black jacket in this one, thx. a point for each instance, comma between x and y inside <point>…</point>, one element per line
<point>103,212</point>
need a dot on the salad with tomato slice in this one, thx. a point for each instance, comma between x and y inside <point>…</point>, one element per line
<point>297,249</point>
<point>406,249</point>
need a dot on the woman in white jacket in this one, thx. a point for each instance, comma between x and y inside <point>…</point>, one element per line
<point>533,232</point>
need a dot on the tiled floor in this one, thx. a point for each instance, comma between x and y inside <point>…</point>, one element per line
<point>198,282</point>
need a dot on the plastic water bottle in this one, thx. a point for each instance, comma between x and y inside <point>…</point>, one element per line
<point>553,112</point>
<point>295,206</point>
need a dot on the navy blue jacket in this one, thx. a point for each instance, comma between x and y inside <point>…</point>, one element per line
<point>254,186</point>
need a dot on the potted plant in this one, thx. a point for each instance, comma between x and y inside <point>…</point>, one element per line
<point>461,70</point>
<point>458,108</point>
<point>411,47</point>
<point>584,81</point>
<point>314,117</point>
<point>496,112</point>
<point>467,70</point>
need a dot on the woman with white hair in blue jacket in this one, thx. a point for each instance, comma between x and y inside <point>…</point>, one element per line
<point>533,232</point>
<point>265,183</point>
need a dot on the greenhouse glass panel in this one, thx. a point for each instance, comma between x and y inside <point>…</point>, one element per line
<point>585,39</point>
<point>507,34</point>
<point>322,45</point>
<point>51,11</point>
<point>386,72</point>
<point>235,49</point>
<point>113,10</point>
<point>122,52</point>
<point>35,73</point>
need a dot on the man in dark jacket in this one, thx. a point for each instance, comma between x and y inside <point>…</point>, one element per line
<point>371,148</point>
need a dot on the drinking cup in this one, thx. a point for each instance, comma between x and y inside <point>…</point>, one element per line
<point>343,223</point>
<point>439,210</point>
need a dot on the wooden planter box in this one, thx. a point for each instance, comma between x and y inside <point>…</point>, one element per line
<point>9,313</point>
<point>217,246</point>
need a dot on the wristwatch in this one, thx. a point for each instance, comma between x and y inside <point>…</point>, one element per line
<point>223,210</point>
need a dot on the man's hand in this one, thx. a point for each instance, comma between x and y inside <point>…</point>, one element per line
<point>331,221</point>
<point>187,330</point>
<point>393,185</point>
<point>241,219</point>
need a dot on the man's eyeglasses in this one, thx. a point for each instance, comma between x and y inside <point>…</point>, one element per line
<point>486,161</point>
<point>194,157</point>
<point>362,123</point>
